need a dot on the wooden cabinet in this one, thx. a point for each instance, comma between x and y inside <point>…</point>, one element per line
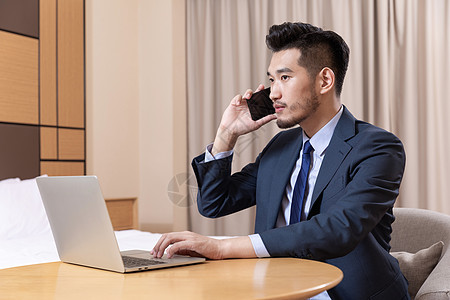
<point>123,213</point>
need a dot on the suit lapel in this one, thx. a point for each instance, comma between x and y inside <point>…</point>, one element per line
<point>281,170</point>
<point>336,152</point>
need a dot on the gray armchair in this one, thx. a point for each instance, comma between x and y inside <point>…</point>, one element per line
<point>417,229</point>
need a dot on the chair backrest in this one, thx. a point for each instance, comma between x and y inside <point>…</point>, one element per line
<point>415,229</point>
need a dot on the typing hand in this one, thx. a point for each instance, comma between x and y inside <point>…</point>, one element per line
<point>193,244</point>
<point>187,243</point>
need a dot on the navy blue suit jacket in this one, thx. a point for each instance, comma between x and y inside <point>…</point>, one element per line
<point>349,224</point>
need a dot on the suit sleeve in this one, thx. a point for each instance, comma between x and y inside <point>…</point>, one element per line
<point>370,177</point>
<point>219,192</point>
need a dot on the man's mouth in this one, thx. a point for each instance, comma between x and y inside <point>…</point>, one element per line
<point>278,107</point>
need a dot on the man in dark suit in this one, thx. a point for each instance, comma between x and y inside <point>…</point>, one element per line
<point>324,190</point>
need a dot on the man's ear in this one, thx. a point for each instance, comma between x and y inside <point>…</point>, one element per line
<point>326,80</point>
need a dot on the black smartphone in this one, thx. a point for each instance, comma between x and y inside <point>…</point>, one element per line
<point>260,105</point>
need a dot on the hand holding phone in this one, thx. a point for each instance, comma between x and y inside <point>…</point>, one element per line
<point>260,104</point>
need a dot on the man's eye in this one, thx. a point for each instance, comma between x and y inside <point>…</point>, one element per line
<point>271,79</point>
<point>284,77</point>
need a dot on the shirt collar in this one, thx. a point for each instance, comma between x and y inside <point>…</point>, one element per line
<point>322,138</point>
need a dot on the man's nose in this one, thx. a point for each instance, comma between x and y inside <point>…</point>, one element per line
<point>275,93</point>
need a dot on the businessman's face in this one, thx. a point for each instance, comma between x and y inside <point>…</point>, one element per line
<point>292,90</point>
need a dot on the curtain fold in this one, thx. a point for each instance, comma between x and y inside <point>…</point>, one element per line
<point>396,80</point>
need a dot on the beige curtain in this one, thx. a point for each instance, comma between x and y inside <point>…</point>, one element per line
<point>397,79</point>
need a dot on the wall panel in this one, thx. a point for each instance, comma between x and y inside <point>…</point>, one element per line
<point>71,144</point>
<point>49,143</point>
<point>19,100</point>
<point>62,104</point>
<point>57,168</point>
<point>42,88</point>
<point>20,16</point>
<point>19,151</point>
<point>48,59</point>
<point>71,63</point>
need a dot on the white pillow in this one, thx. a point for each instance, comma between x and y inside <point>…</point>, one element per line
<point>9,181</point>
<point>22,213</point>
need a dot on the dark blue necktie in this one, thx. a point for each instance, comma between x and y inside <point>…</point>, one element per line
<point>300,184</point>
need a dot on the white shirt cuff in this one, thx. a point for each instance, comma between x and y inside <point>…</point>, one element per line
<point>258,245</point>
<point>209,157</point>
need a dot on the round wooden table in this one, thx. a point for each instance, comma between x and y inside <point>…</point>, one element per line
<point>270,278</point>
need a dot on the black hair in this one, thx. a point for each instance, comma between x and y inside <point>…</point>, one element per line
<point>318,48</point>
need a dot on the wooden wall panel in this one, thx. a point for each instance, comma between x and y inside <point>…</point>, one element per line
<point>18,79</point>
<point>19,151</point>
<point>20,16</point>
<point>62,168</point>
<point>42,87</point>
<point>71,144</point>
<point>62,86</point>
<point>48,58</point>
<point>71,63</point>
<point>49,143</point>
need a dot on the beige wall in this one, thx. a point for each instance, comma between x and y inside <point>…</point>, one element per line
<point>135,94</point>
<point>162,108</point>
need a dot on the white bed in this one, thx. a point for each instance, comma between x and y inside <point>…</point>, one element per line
<point>25,234</point>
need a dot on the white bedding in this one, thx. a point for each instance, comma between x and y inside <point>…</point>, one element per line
<point>41,248</point>
<point>25,234</point>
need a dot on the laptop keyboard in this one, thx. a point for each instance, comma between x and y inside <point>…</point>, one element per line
<point>133,262</point>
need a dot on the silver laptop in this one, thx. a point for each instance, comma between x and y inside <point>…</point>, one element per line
<point>82,228</point>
